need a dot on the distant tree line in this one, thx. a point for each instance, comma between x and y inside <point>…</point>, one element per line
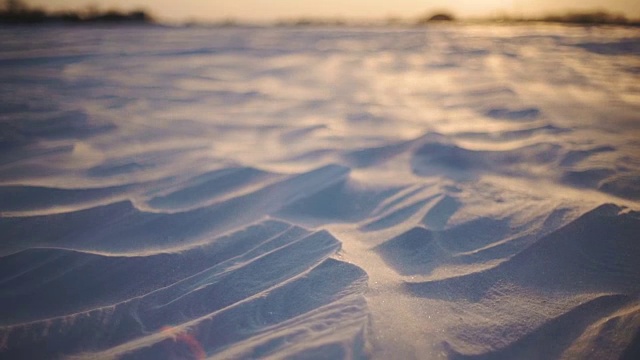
<point>597,17</point>
<point>17,12</point>
<point>594,17</point>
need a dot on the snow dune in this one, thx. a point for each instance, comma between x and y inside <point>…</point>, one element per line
<point>454,192</point>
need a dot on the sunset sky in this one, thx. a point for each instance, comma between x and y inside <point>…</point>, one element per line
<point>279,9</point>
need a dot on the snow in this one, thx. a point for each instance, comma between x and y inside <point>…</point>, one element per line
<point>454,191</point>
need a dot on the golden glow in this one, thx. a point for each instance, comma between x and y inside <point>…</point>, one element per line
<point>278,9</point>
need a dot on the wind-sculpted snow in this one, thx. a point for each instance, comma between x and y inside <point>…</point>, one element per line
<point>461,192</point>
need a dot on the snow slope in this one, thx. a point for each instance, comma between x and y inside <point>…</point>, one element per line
<point>454,192</point>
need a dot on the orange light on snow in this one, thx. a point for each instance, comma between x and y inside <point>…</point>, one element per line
<point>192,343</point>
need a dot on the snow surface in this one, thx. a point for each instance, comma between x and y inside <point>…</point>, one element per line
<point>461,192</point>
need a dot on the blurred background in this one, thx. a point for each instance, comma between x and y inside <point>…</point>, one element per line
<point>260,11</point>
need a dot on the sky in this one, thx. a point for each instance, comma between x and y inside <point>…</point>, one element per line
<point>264,10</point>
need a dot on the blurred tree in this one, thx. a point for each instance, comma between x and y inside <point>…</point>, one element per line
<point>443,16</point>
<point>91,11</point>
<point>15,6</point>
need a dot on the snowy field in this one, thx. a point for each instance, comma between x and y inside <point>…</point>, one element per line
<point>451,192</point>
